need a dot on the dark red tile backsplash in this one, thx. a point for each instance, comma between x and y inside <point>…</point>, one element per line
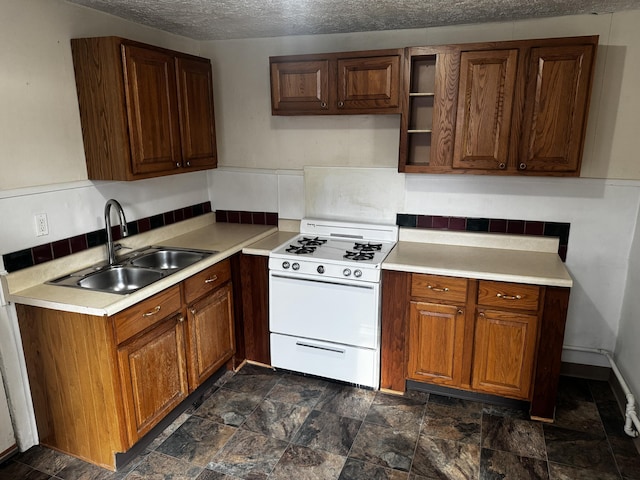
<point>43,253</point>
<point>491,225</point>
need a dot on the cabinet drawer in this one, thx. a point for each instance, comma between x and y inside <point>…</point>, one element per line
<point>439,288</point>
<point>508,295</point>
<point>207,280</point>
<point>141,316</point>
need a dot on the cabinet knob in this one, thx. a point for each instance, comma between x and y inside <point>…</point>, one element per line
<point>180,319</point>
<point>188,164</point>
<point>460,312</point>
<point>522,166</point>
<point>502,165</point>
<point>340,104</point>
<point>323,104</point>
<point>178,165</point>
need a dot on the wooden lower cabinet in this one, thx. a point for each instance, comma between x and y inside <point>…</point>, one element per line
<point>436,338</point>
<point>99,384</point>
<point>504,350</point>
<point>148,396</point>
<point>211,339</point>
<point>488,337</point>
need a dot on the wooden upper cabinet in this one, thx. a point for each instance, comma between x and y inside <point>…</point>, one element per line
<point>145,111</point>
<point>300,87</point>
<point>195,102</point>
<point>152,109</point>
<point>500,108</point>
<point>485,99</point>
<point>336,83</point>
<point>369,83</point>
<point>555,113</point>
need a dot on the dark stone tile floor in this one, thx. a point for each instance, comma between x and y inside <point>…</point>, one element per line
<point>263,424</point>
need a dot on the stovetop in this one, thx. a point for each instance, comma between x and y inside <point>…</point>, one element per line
<point>336,249</point>
<point>363,252</point>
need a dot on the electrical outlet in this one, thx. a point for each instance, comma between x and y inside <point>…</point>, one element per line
<point>42,226</point>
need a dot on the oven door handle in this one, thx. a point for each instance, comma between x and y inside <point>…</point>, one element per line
<point>321,347</point>
<point>302,279</point>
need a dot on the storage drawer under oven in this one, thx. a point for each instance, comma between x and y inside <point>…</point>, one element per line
<point>340,362</point>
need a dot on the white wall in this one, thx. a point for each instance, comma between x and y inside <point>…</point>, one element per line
<point>627,351</point>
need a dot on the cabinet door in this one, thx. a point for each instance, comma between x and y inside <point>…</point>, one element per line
<point>505,345</point>
<point>436,342</point>
<point>369,83</point>
<point>153,374</point>
<point>485,99</point>
<point>556,105</point>
<point>300,87</point>
<point>152,109</point>
<point>197,122</point>
<point>211,337</point>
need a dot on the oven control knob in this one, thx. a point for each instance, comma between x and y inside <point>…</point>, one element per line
<point>357,273</point>
<point>346,272</point>
<point>320,269</point>
<point>296,266</point>
<point>285,265</point>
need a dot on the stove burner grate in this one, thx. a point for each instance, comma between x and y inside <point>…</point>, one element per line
<point>312,242</point>
<point>358,256</point>
<point>301,249</point>
<point>367,247</point>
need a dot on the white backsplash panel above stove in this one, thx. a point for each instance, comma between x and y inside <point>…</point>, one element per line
<point>355,194</point>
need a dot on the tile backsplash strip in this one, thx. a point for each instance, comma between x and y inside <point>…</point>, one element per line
<point>49,251</point>
<point>490,225</point>
<point>251,218</point>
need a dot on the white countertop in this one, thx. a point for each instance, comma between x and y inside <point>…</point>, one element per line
<point>507,258</point>
<point>27,286</point>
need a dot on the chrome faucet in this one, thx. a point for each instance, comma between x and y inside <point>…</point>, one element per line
<point>111,248</point>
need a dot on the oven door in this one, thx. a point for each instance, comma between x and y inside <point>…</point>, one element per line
<point>340,311</point>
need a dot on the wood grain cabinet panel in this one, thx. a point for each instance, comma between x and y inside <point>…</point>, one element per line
<point>210,334</point>
<point>145,111</point>
<point>195,101</point>
<point>556,109</point>
<point>504,353</point>
<point>336,83</point>
<point>299,86</point>
<point>154,375</point>
<point>369,83</point>
<point>485,99</point>
<point>436,340</point>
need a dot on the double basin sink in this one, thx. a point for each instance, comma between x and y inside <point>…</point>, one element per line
<point>134,271</point>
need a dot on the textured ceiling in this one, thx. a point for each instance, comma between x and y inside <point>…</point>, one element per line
<point>226,19</point>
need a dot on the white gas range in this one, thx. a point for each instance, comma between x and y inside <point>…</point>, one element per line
<point>324,300</point>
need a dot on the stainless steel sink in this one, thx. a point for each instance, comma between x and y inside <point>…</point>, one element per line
<point>134,271</point>
<point>168,259</point>
<point>119,279</point>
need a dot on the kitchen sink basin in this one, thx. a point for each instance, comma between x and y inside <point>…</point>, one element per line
<point>119,279</point>
<point>168,259</point>
<point>133,271</point>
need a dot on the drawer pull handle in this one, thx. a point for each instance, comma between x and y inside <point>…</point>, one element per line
<point>151,313</point>
<point>319,347</point>
<point>509,297</point>
<point>438,289</point>
<point>211,279</point>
